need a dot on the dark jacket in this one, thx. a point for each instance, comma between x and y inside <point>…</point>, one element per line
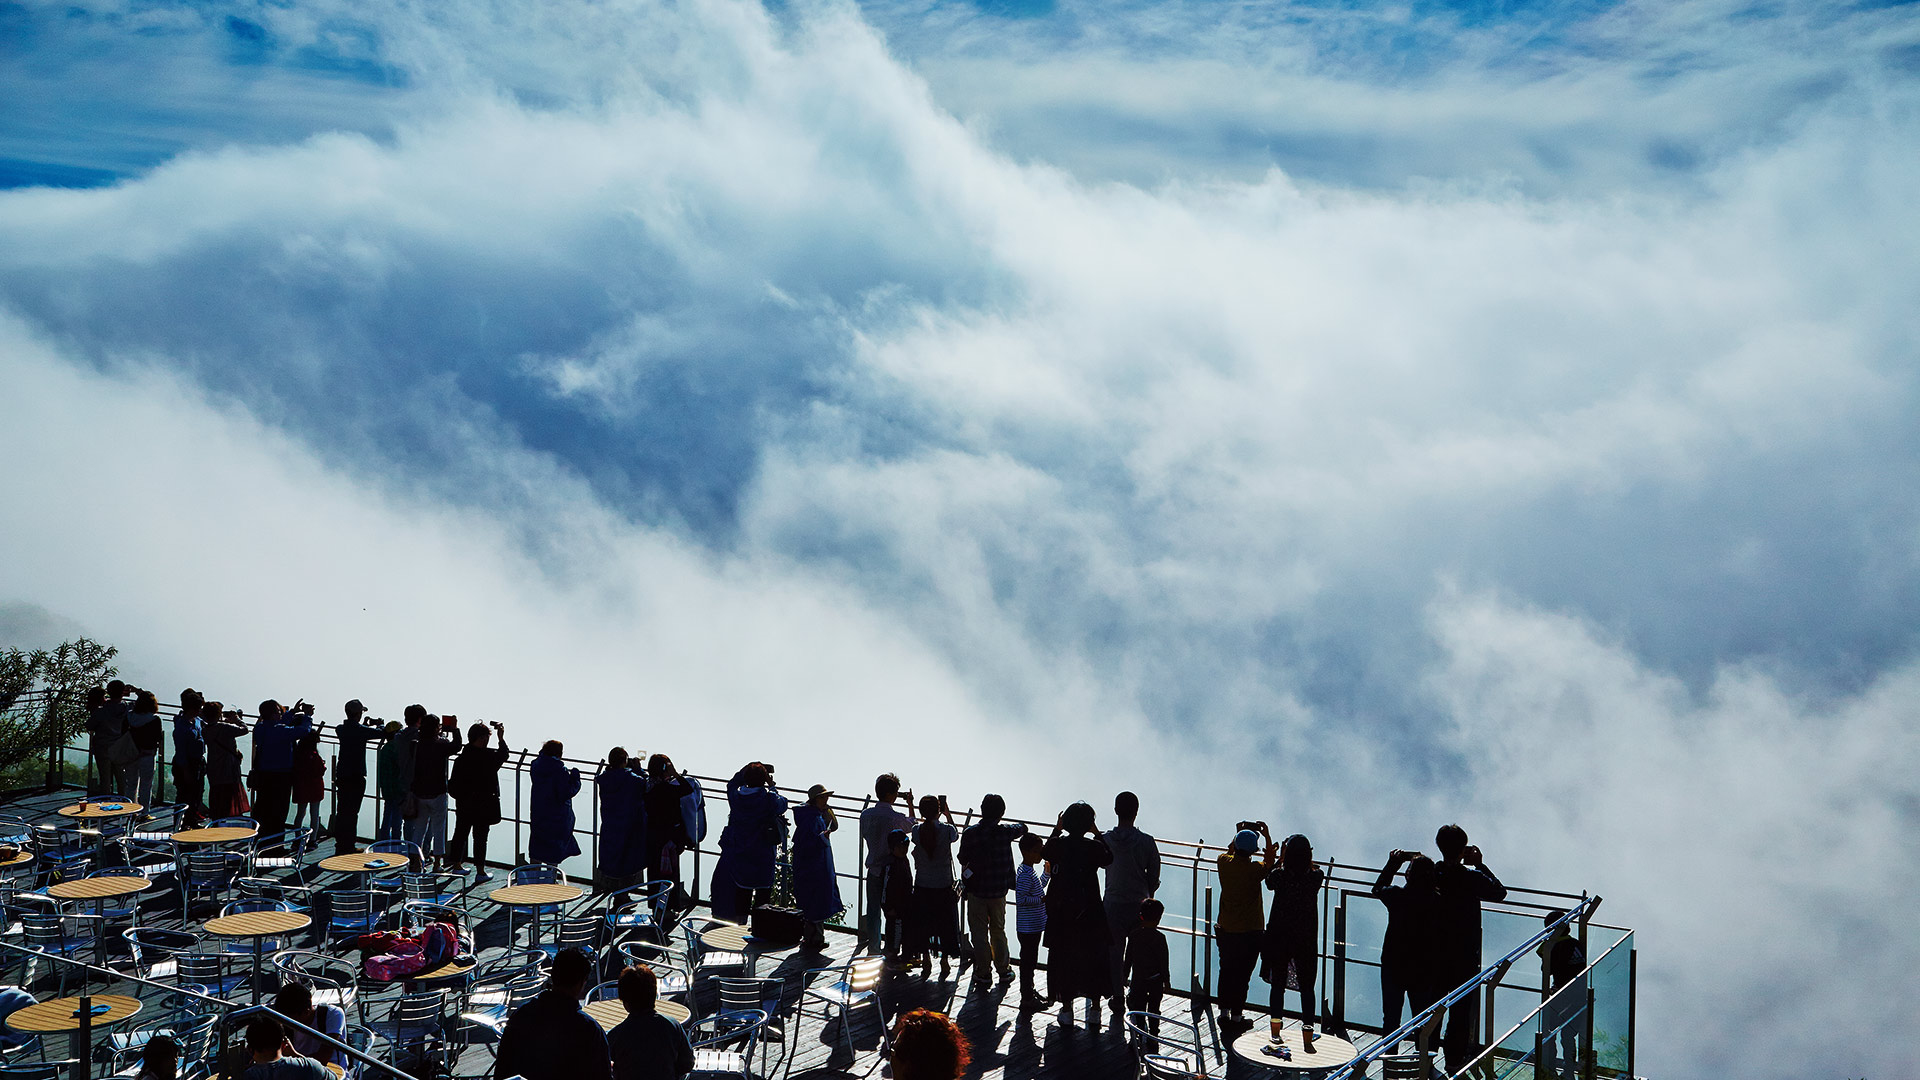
<point>623,822</point>
<point>223,752</point>
<point>650,1047</point>
<point>475,783</point>
<point>352,761</point>
<point>550,810</point>
<point>273,743</point>
<point>430,756</point>
<point>1462,888</point>
<point>552,1038</point>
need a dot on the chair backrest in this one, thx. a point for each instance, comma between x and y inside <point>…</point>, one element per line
<point>212,864</point>
<point>417,913</point>
<point>419,1008</point>
<point>728,1030</point>
<point>512,961</point>
<point>196,1039</point>
<point>745,995</point>
<point>152,946</point>
<point>356,903</point>
<point>14,830</point>
<point>1164,1037</point>
<point>1400,1066</point>
<point>580,930</point>
<point>864,973</point>
<point>50,930</point>
<point>606,991</point>
<point>398,847</point>
<point>537,874</point>
<point>233,823</point>
<point>436,887</point>
<point>255,903</point>
<point>204,968</point>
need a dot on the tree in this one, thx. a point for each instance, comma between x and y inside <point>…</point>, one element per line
<point>43,697</point>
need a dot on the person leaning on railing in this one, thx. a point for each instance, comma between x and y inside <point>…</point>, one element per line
<point>553,785</point>
<point>222,730</point>
<point>756,829</point>
<point>475,787</point>
<point>350,774</point>
<point>190,756</point>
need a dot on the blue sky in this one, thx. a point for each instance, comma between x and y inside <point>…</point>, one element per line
<point>1509,410</point>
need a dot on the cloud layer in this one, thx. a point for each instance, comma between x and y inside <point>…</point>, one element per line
<point>695,365</point>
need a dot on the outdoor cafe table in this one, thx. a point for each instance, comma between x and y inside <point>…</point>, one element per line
<point>225,834</point>
<point>364,862</point>
<point>258,925</point>
<point>1329,1051</point>
<point>535,897</point>
<point>55,1015</point>
<point>99,890</point>
<point>611,1011</point>
<point>101,811</point>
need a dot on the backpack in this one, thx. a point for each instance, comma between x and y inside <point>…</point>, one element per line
<point>146,738</point>
<point>438,943</point>
<point>693,811</point>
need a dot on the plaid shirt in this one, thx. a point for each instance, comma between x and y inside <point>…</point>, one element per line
<point>986,850</point>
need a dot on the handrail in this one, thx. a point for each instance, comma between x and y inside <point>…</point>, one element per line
<point>227,1008</point>
<point>1491,973</point>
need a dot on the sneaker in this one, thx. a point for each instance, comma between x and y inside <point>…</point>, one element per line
<point>1006,975</point>
<point>1031,1003</point>
<point>481,873</point>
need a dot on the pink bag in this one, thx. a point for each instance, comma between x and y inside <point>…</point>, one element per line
<point>405,959</point>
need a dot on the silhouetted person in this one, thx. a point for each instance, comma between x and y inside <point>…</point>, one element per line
<point>273,1054</point>
<point>1146,969</point>
<point>309,781</point>
<point>553,785</point>
<point>274,739</point>
<point>986,867</point>
<point>669,823</point>
<point>623,822</point>
<point>295,1002</point>
<point>350,775</point>
<point>1078,934</point>
<point>815,888</point>
<point>1133,876</point>
<point>876,822</point>
<point>1293,925</point>
<point>1463,884</point>
<point>190,757</point>
<point>222,731</point>
<point>1407,951</point>
<point>475,787</point>
<point>896,894</point>
<point>929,1046</point>
<point>646,1045</point>
<point>1242,920</point>
<point>552,1037</point>
<point>146,733</point>
<point>756,828</point>
<point>394,776</point>
<point>1030,917</point>
<point>437,740</point>
<point>1563,968</point>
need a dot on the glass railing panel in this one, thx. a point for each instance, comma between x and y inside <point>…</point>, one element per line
<point>1612,1009</point>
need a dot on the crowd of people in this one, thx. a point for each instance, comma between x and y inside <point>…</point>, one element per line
<point>1085,894</point>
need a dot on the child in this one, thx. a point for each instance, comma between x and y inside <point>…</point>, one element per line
<point>309,771</point>
<point>897,891</point>
<point>1145,969</point>
<point>1030,919</point>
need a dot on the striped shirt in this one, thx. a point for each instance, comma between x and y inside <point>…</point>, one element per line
<point>1030,896</point>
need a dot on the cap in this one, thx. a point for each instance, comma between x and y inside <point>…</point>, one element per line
<point>897,836</point>
<point>355,706</point>
<point>817,790</point>
<point>1246,840</point>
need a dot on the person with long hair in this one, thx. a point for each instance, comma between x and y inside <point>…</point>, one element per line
<point>1077,932</point>
<point>222,730</point>
<point>1406,951</point>
<point>1292,925</point>
<point>144,728</point>
<point>927,1045</point>
<point>933,924</point>
<point>815,889</point>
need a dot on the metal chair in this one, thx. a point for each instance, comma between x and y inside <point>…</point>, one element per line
<point>296,896</point>
<point>756,995</point>
<point>334,980</point>
<point>491,1000</point>
<point>707,961</point>
<point>432,888</point>
<point>160,823</point>
<point>670,966</point>
<point>416,1020</point>
<point>118,908</point>
<point>154,950</point>
<point>61,852</point>
<point>285,850</point>
<point>56,933</point>
<point>182,1028</point>
<point>1159,1054</point>
<point>353,912</point>
<point>840,989</point>
<point>1402,1067</point>
<point>584,932</point>
<point>208,873</point>
<point>646,913</point>
<point>210,967</point>
<point>723,1043</point>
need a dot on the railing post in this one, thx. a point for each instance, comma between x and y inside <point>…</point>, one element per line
<point>1340,961</point>
<point>1206,950</point>
<point>1193,908</point>
<point>84,1038</point>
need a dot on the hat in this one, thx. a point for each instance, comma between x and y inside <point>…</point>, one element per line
<point>1246,840</point>
<point>355,706</point>
<point>393,726</point>
<point>817,790</point>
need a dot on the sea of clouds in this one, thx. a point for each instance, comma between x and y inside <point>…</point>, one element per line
<point>1356,419</point>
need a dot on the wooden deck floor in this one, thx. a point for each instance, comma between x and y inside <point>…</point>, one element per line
<point>1007,1044</point>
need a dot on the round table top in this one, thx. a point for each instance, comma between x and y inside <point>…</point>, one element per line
<point>359,862</point>
<point>56,1014</point>
<point>535,895</point>
<point>612,1011</point>
<point>17,859</point>
<point>1329,1051</point>
<point>226,834</point>
<point>726,938</point>
<point>457,968</point>
<point>97,888</point>
<point>111,808</point>
<point>257,923</point>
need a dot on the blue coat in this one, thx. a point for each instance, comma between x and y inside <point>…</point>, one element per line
<point>623,823</point>
<point>550,828</point>
<point>749,845</point>
<point>814,887</point>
